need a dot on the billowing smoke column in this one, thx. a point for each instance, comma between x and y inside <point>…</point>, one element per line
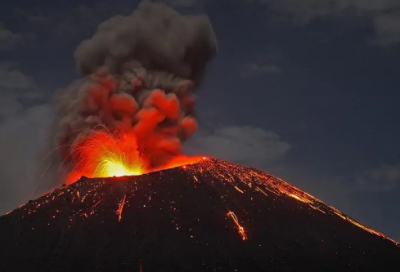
<point>139,72</point>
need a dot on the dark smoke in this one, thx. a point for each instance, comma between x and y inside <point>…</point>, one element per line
<point>139,72</point>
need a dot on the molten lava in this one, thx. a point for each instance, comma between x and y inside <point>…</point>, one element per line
<point>240,228</point>
<point>103,154</point>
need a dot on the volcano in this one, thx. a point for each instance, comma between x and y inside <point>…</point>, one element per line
<point>207,216</point>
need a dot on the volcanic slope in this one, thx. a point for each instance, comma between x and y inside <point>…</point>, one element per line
<point>207,216</point>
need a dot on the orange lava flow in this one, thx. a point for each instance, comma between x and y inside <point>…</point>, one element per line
<point>102,154</point>
<point>121,208</point>
<point>265,184</point>
<point>240,228</point>
<point>182,161</point>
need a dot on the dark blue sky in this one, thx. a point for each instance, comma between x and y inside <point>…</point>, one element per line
<point>306,92</point>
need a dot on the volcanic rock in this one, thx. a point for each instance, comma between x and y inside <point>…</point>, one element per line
<point>207,216</point>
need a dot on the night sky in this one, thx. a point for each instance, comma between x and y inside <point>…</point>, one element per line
<point>306,90</point>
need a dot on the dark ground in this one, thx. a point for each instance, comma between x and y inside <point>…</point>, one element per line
<point>173,222</point>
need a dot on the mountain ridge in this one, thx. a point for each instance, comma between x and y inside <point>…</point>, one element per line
<point>207,216</point>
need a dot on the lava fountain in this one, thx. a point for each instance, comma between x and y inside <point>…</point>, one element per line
<point>103,154</point>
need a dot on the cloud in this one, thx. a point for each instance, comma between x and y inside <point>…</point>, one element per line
<point>78,21</point>
<point>383,16</point>
<point>387,29</point>
<point>8,39</point>
<point>22,141</point>
<point>265,150</point>
<point>244,145</point>
<point>15,87</point>
<point>255,69</point>
<point>381,179</point>
<point>308,10</point>
<point>12,78</point>
<point>71,23</point>
<point>22,135</point>
<point>181,3</point>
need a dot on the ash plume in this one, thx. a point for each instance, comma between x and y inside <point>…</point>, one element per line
<point>139,72</point>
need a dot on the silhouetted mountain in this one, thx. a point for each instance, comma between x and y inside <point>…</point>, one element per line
<point>208,216</point>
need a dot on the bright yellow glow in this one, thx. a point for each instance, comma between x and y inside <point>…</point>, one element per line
<point>116,166</point>
<point>102,155</point>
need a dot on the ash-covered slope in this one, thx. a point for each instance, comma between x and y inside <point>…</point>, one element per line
<point>209,216</point>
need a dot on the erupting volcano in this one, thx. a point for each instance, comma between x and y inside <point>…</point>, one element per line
<point>134,106</point>
<point>131,201</point>
<point>210,215</point>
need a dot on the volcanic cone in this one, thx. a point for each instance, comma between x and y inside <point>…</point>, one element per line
<point>208,216</point>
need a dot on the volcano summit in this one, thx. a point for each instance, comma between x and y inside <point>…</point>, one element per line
<point>207,216</point>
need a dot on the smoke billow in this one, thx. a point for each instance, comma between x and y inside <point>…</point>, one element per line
<point>138,75</point>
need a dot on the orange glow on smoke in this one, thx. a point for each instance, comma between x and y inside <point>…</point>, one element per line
<point>103,154</point>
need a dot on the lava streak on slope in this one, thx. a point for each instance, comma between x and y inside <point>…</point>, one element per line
<point>240,228</point>
<point>121,208</point>
<point>209,215</point>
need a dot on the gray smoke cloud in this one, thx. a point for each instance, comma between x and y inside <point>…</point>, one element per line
<point>154,35</point>
<point>139,72</point>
